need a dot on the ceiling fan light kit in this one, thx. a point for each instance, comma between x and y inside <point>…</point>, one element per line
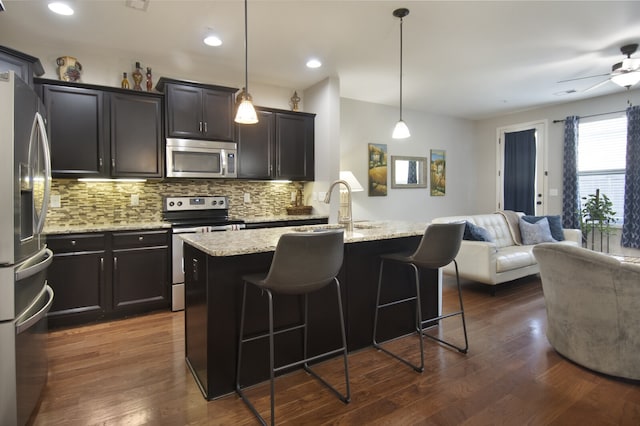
<point>624,74</point>
<point>401,131</point>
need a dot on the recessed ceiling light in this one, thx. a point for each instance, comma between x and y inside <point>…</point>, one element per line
<point>212,40</point>
<point>314,63</point>
<point>60,8</point>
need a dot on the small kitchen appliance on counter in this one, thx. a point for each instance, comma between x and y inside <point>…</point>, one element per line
<point>188,215</point>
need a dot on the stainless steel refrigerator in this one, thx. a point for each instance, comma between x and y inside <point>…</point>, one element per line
<point>25,297</point>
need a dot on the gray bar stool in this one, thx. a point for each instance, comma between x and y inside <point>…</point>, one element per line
<point>303,262</point>
<point>439,246</point>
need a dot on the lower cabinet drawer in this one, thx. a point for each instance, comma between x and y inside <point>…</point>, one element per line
<point>76,242</point>
<point>123,240</point>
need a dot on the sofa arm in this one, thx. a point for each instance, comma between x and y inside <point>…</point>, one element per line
<point>574,235</point>
<point>476,260</point>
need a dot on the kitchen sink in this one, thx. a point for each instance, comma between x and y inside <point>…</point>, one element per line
<point>320,228</point>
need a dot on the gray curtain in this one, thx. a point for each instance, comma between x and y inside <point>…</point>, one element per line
<point>570,194</point>
<point>520,171</point>
<point>631,226</point>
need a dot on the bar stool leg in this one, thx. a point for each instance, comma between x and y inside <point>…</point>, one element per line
<point>418,318</point>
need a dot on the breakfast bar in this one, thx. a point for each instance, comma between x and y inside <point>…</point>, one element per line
<point>215,262</point>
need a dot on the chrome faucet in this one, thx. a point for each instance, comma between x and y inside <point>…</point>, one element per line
<point>344,220</point>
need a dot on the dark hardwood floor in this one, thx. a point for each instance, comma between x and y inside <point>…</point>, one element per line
<point>133,372</point>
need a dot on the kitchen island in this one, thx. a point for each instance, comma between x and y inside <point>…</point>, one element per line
<point>215,262</point>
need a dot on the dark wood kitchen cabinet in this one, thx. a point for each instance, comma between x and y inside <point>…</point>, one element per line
<point>77,132</point>
<point>198,111</point>
<point>103,132</point>
<point>25,66</point>
<point>140,270</point>
<point>136,136</point>
<point>109,275</point>
<point>279,146</point>
<point>78,277</point>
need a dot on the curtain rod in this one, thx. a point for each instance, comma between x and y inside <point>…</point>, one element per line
<point>593,115</point>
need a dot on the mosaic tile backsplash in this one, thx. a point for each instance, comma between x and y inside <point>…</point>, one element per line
<point>89,203</point>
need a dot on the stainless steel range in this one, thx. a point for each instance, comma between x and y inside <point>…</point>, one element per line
<point>191,215</point>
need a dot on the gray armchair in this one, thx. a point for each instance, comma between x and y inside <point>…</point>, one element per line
<point>593,308</point>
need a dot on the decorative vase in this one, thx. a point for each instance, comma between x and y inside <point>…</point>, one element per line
<point>137,77</point>
<point>69,68</point>
<point>149,82</point>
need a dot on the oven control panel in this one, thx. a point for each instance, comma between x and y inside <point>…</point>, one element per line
<point>172,204</point>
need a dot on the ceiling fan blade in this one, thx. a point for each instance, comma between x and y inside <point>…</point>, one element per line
<point>583,78</point>
<point>595,86</point>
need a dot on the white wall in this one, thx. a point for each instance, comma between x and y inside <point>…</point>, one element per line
<point>485,138</point>
<point>362,123</point>
<point>104,67</point>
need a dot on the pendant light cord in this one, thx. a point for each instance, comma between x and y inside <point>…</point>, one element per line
<point>401,21</point>
<point>246,53</point>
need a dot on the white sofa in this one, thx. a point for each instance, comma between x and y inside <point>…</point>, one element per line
<point>501,260</point>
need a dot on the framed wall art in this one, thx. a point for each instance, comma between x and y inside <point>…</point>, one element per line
<point>437,172</point>
<point>377,170</point>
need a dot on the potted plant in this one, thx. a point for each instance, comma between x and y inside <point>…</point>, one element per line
<point>597,214</point>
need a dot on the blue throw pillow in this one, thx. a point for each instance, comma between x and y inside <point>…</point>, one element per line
<point>555,225</point>
<point>475,233</point>
<point>534,233</point>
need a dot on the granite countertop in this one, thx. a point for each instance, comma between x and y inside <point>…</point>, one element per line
<point>105,227</point>
<point>281,218</point>
<point>249,241</point>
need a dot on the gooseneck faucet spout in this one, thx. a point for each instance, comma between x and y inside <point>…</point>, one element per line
<point>346,220</point>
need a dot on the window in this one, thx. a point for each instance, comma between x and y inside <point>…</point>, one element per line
<point>602,147</point>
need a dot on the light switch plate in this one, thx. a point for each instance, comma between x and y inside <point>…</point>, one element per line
<point>247,197</point>
<point>135,199</point>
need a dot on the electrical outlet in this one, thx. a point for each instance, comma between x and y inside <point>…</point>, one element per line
<point>314,196</point>
<point>247,197</point>
<point>293,196</point>
<point>135,199</point>
<point>54,201</point>
<point>321,195</point>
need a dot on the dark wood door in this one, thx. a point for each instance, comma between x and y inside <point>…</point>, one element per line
<point>256,147</point>
<point>294,146</point>
<point>76,126</point>
<point>77,276</point>
<point>136,136</point>
<point>184,111</point>
<point>217,115</point>
<point>141,263</point>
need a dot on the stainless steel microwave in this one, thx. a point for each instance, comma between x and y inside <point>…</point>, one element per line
<point>188,158</point>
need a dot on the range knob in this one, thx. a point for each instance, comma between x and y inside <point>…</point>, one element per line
<point>179,203</point>
<point>171,203</point>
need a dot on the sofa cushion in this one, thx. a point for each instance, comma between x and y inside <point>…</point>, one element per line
<point>475,233</point>
<point>514,257</point>
<point>497,227</point>
<point>535,233</point>
<point>555,225</point>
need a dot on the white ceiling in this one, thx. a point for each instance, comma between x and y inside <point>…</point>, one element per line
<point>467,59</point>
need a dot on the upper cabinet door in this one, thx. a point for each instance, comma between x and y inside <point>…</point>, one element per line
<point>76,131</point>
<point>199,111</point>
<point>184,111</point>
<point>256,147</point>
<point>136,136</point>
<point>294,146</point>
<point>218,115</point>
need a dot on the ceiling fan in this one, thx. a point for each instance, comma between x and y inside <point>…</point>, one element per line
<point>624,74</point>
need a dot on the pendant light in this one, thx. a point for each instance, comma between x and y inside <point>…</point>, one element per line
<point>401,131</point>
<point>246,113</point>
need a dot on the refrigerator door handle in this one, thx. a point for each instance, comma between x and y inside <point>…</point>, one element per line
<point>38,125</point>
<point>22,325</point>
<point>28,270</point>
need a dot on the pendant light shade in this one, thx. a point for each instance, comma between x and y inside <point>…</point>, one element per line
<point>246,113</point>
<point>401,131</point>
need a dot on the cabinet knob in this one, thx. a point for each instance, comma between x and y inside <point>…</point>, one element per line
<point>73,242</point>
<point>140,238</point>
